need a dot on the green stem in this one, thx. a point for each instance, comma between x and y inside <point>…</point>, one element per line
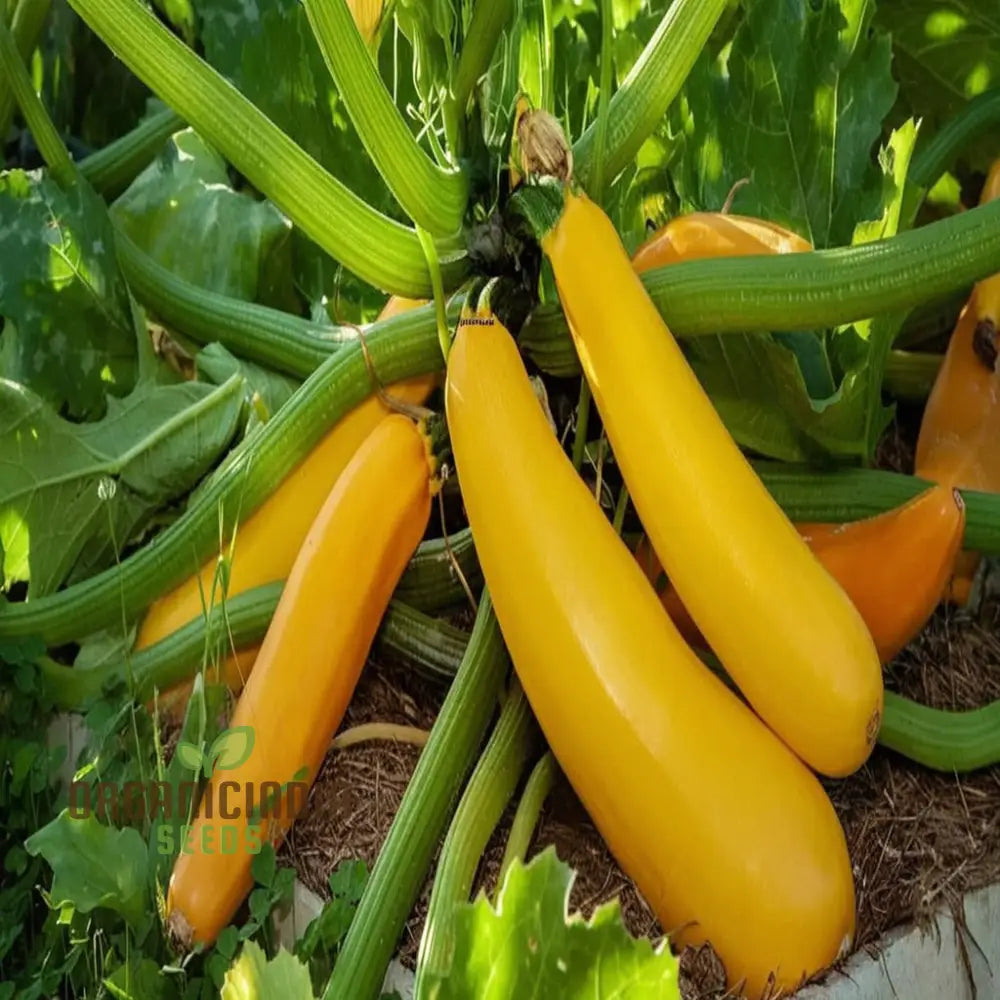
<point>122,592</point>
<point>110,170</point>
<point>653,82</point>
<point>408,851</point>
<point>910,375</point>
<point>48,140</point>
<point>431,582</point>
<point>934,158</point>
<point>270,337</point>
<point>486,796</point>
<point>548,47</point>
<point>430,645</point>
<point>26,27</point>
<point>540,782</point>
<point>240,622</point>
<point>489,19</point>
<point>440,302</point>
<point>942,740</point>
<point>377,249</point>
<point>596,187</point>
<point>582,423</point>
<point>433,197</point>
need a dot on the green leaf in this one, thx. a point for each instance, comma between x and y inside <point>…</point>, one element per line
<point>73,495</point>
<point>94,866</point>
<point>232,747</point>
<point>264,865</point>
<point>946,52</point>
<point>69,334</point>
<point>183,212</point>
<point>139,979</point>
<point>217,365</point>
<point>796,105</point>
<point>528,946</point>
<point>253,977</point>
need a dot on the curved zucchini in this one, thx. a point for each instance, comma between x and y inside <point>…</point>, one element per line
<point>650,739</point>
<point>783,628</point>
<point>308,666</point>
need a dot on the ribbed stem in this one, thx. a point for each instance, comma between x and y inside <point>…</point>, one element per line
<point>120,593</point>
<point>432,646</point>
<point>934,158</point>
<point>942,740</point>
<point>486,796</point>
<point>377,249</point>
<point>536,790</point>
<point>26,27</point>
<point>270,337</point>
<point>240,622</point>
<point>110,170</point>
<point>431,581</point>
<point>651,85</point>
<point>598,173</point>
<point>489,19</point>
<point>408,851</point>
<point>433,197</point>
<point>47,139</point>
<point>851,494</point>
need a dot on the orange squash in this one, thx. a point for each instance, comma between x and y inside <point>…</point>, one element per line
<point>894,567</point>
<point>337,591</point>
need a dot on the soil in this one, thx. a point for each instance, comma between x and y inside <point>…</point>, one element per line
<point>918,840</point>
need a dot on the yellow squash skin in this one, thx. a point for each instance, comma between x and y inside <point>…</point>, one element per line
<point>728,835</point>
<point>698,235</point>
<point>310,661</point>
<point>269,539</point>
<point>785,631</point>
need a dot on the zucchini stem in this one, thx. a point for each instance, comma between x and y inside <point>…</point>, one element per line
<point>485,798</point>
<point>536,790</point>
<point>650,86</point>
<point>489,20</point>
<point>376,248</point>
<point>596,188</point>
<point>955,742</point>
<point>111,169</point>
<point>930,162</point>
<point>433,197</point>
<point>423,815</point>
<point>48,140</point>
<point>26,28</point>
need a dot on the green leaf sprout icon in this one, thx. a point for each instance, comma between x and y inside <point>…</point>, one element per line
<point>231,748</point>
